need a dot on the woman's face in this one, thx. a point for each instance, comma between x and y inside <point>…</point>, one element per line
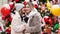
<point>27,9</point>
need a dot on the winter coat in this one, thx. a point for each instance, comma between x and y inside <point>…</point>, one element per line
<point>34,22</point>
<point>17,26</point>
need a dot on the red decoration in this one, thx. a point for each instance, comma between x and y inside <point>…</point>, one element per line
<point>36,6</point>
<point>11,5</point>
<point>46,19</point>
<point>5,11</point>
<point>25,3</point>
<point>8,30</point>
<point>50,21</point>
<point>10,18</point>
<point>16,1</point>
<point>3,17</point>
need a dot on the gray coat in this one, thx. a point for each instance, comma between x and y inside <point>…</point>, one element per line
<point>34,22</point>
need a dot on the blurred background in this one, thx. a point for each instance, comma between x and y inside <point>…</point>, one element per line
<point>43,7</point>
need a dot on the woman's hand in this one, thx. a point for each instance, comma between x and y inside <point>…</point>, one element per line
<point>25,26</point>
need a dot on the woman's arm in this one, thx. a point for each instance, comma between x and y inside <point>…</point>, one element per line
<point>17,25</point>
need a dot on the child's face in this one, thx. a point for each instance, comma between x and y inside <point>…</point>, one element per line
<point>27,9</point>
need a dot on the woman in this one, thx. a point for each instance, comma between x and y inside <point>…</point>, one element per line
<point>17,26</point>
<point>34,21</point>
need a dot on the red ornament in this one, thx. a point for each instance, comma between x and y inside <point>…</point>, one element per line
<point>36,6</point>
<point>5,11</point>
<point>11,5</point>
<point>16,1</point>
<point>46,19</point>
<point>50,21</point>
<point>3,17</point>
<point>25,3</point>
<point>8,30</point>
<point>10,18</point>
